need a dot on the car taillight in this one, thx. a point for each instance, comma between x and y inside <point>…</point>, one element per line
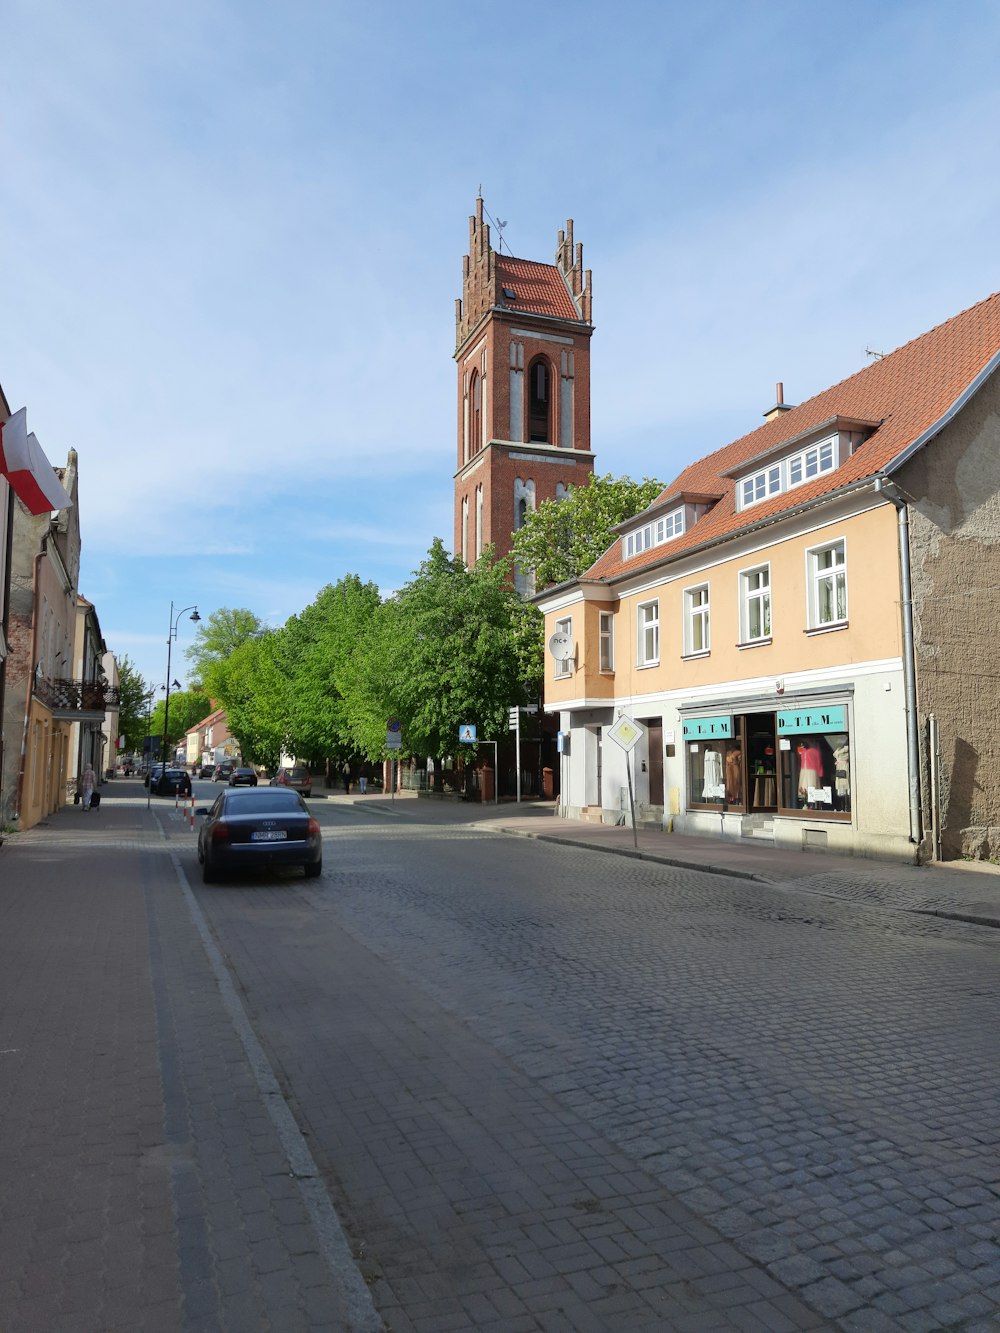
<point>221,832</point>
<point>313,826</point>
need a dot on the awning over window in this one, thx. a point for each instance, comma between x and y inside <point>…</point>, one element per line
<point>29,472</point>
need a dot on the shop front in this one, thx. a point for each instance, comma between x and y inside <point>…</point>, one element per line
<point>780,762</point>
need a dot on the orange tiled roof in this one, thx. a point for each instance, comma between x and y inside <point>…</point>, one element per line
<point>908,391</point>
<point>539,288</point>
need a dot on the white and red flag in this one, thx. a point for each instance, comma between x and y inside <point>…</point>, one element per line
<point>25,466</point>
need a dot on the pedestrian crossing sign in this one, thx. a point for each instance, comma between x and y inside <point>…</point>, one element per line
<point>467,733</point>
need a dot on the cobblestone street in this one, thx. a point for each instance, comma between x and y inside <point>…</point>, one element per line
<point>550,1080</point>
<point>467,1080</point>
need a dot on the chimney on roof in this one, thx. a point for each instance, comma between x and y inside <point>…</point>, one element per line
<point>780,405</point>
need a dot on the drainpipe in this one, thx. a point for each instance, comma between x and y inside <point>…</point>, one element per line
<point>883,486</point>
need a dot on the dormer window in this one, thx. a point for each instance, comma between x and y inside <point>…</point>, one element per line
<point>785,475</point>
<point>653,534</point>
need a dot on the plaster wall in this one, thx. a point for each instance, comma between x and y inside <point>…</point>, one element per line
<point>953,490</point>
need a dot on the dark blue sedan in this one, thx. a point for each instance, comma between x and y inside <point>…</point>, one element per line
<point>258,827</point>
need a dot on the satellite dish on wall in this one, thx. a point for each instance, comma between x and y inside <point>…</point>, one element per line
<point>561,647</point>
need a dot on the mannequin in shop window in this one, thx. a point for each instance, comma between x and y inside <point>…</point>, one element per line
<point>810,768</point>
<point>842,772</point>
<point>734,777</point>
<point>712,787</point>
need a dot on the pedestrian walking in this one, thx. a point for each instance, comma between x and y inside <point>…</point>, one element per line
<point>87,784</point>
<point>362,784</point>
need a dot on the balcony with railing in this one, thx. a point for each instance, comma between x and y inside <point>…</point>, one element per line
<point>75,700</point>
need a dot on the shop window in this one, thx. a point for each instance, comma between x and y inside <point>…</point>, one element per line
<point>606,632</point>
<point>715,772</point>
<point>649,634</point>
<point>828,586</point>
<point>697,637</point>
<point>816,772</point>
<point>755,605</point>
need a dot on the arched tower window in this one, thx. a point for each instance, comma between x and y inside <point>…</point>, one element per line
<point>476,394</point>
<point>539,401</point>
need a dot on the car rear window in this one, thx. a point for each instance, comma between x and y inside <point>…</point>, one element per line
<point>263,801</point>
<point>298,774</point>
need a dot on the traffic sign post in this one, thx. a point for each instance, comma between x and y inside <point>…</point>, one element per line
<point>515,727</point>
<point>393,742</point>
<point>626,733</point>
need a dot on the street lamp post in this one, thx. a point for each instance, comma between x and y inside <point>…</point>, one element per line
<point>174,622</point>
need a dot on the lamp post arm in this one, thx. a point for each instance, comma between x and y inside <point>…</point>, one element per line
<point>175,620</point>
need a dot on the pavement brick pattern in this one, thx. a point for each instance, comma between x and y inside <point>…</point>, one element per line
<point>144,1186</point>
<point>547,1088</point>
<point>554,1089</point>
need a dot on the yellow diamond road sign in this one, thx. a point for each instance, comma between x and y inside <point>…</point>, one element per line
<point>625,733</point>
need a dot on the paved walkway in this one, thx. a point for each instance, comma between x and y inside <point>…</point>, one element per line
<point>153,1176</point>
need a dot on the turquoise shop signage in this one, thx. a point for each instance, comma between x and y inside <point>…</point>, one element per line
<point>798,721</point>
<point>708,728</point>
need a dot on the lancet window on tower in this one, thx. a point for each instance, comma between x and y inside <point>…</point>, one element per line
<point>476,421</point>
<point>539,401</point>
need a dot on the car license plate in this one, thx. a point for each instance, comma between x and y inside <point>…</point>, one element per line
<point>269,835</point>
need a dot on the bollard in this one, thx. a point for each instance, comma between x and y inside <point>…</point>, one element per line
<point>192,812</point>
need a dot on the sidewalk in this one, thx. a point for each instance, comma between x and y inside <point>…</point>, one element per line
<point>959,890</point>
<point>153,1177</point>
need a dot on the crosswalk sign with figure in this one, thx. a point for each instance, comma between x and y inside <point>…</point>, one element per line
<point>467,732</point>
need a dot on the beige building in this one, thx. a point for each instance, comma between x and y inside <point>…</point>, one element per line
<point>798,624</point>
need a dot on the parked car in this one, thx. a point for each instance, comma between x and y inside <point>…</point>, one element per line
<point>223,772</point>
<point>263,827</point>
<point>243,777</point>
<point>151,774</point>
<point>171,781</point>
<point>299,778</point>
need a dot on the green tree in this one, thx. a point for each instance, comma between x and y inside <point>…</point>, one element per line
<point>251,685</point>
<point>318,647</point>
<point>217,638</point>
<point>445,651</point>
<point>187,707</point>
<point>561,539</point>
<point>133,691</point>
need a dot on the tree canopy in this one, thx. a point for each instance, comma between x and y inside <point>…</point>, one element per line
<point>561,539</point>
<point>132,706</point>
<point>187,707</point>
<point>217,638</point>
<point>446,650</point>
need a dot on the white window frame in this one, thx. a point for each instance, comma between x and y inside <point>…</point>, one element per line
<point>647,623</point>
<point>606,640</point>
<point>761,594</point>
<point>664,529</point>
<point>564,667</point>
<point>697,614</point>
<point>795,470</point>
<point>834,574</point>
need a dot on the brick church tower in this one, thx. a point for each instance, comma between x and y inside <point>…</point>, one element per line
<point>522,345</point>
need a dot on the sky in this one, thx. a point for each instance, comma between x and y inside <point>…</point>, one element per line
<point>231,238</point>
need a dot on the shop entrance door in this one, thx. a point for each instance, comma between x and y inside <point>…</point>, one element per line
<point>654,759</point>
<point>762,762</point>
